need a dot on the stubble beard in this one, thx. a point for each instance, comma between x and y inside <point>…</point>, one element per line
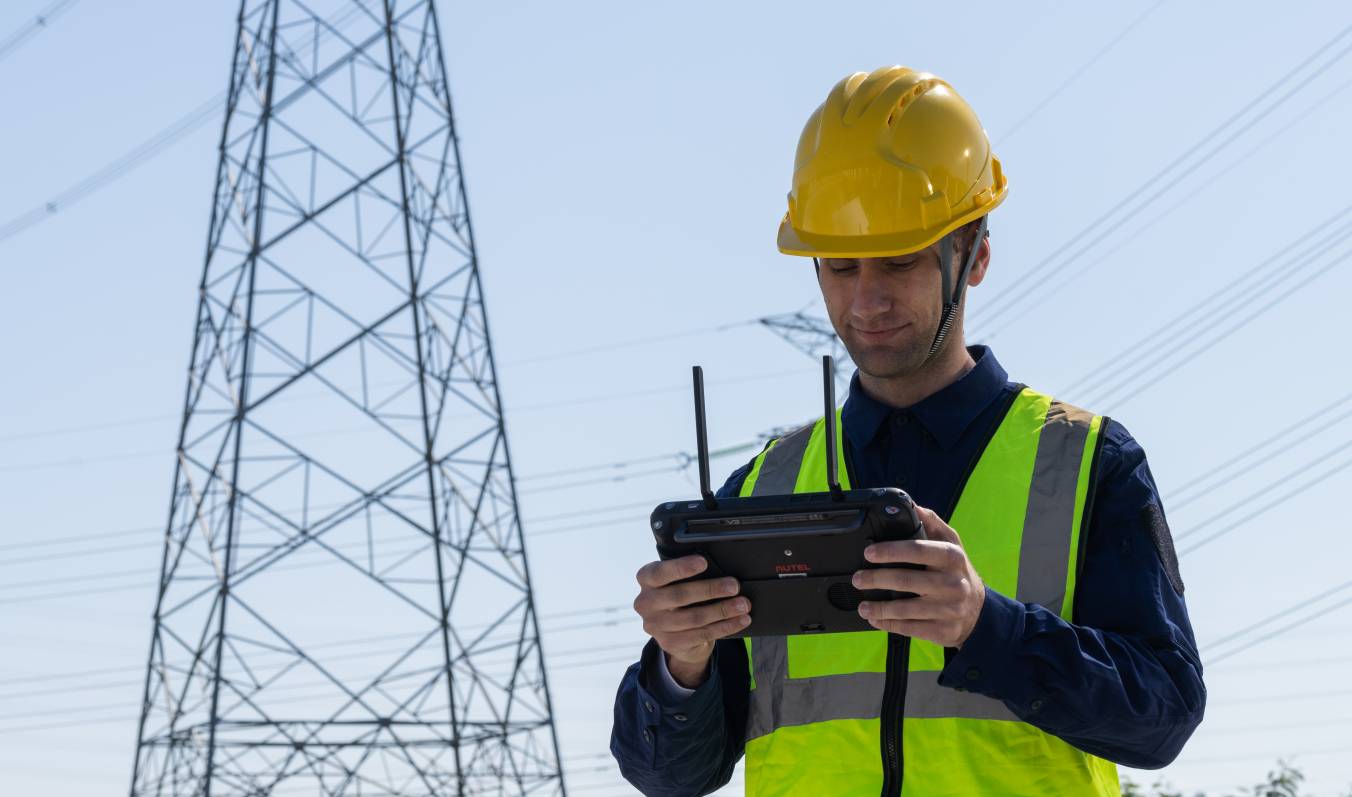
<point>891,362</point>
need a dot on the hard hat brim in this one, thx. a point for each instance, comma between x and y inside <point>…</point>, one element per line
<point>803,244</point>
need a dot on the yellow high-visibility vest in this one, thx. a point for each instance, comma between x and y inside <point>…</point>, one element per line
<point>863,713</point>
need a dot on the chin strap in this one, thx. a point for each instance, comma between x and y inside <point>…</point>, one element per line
<point>952,292</point>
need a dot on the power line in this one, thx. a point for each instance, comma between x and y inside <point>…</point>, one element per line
<point>310,556</point>
<point>681,458</point>
<point>87,687</point>
<point>1028,278</point>
<point>139,531</point>
<point>313,557</point>
<point>1287,262</point>
<point>149,419</point>
<point>533,522</point>
<point>635,520</point>
<point>1135,388</point>
<point>620,477</point>
<point>1256,512</point>
<point>146,150</point>
<point>603,397</point>
<point>627,344</point>
<point>144,530</point>
<point>1287,612</point>
<point>1198,487</point>
<point>34,26</point>
<point>1294,662</point>
<point>1102,255</point>
<point>1322,694</point>
<point>1039,289</point>
<point>1279,615</point>
<point>92,427</point>
<point>137,156</point>
<point>1077,74</point>
<point>616,609</point>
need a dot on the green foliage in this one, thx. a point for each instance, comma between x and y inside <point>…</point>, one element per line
<point>1157,789</point>
<point>1284,781</point>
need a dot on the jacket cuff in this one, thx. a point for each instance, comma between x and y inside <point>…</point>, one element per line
<point>673,705</point>
<point>664,685</point>
<point>983,663</point>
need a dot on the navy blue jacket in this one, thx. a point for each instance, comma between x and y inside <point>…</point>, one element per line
<point>1122,681</point>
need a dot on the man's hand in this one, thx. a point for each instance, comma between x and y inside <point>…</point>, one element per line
<point>684,632</point>
<point>949,593</point>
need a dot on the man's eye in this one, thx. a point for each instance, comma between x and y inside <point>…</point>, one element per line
<point>843,270</point>
<point>901,265</point>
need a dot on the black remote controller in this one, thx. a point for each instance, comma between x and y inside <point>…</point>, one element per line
<point>793,555</point>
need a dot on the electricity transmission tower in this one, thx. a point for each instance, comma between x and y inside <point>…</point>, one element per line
<point>811,335</point>
<point>344,604</point>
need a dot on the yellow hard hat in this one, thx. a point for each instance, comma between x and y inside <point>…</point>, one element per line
<point>891,162</point>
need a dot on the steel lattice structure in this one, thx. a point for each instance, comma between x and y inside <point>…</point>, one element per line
<point>811,335</point>
<point>344,604</point>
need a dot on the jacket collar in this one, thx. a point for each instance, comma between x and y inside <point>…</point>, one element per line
<point>945,414</point>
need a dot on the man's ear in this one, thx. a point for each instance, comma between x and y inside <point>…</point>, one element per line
<point>982,262</point>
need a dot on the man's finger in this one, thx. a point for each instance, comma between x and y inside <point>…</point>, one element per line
<point>921,582</point>
<point>660,574</point>
<point>697,617</point>
<point>914,609</point>
<point>685,640</point>
<point>678,596</point>
<point>937,554</point>
<point>935,527</point>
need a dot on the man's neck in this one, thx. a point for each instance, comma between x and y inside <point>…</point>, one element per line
<point>933,376</point>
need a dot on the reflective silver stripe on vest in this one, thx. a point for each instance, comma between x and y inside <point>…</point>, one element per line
<point>1044,553</point>
<point>779,469</point>
<point>779,701</point>
<point>926,699</point>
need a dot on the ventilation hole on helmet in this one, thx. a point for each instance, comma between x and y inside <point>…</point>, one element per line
<point>844,596</point>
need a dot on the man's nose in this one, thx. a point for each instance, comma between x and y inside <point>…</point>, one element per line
<point>871,298</point>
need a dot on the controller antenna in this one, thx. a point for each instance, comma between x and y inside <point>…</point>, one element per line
<point>829,393</point>
<point>702,442</point>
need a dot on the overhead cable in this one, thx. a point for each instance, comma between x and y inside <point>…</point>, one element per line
<point>1034,285</point>
<point>34,26</point>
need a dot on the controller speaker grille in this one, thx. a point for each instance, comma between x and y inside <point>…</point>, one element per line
<point>844,596</point>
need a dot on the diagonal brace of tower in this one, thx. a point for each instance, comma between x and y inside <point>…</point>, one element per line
<point>811,335</point>
<point>344,604</point>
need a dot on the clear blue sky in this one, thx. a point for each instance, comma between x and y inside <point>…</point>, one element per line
<point>627,165</point>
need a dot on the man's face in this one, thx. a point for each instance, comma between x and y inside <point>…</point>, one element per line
<point>885,309</point>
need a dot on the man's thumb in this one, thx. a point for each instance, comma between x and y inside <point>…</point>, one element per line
<point>936,528</point>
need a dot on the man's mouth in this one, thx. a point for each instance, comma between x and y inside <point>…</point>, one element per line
<point>878,335</point>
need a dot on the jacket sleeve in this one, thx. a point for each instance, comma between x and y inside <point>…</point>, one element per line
<point>686,746</point>
<point>670,745</point>
<point>1123,681</point>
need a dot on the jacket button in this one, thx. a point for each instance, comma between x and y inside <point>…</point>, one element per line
<point>1035,706</point>
<point>647,704</point>
<point>679,717</point>
<point>973,674</point>
<point>647,736</point>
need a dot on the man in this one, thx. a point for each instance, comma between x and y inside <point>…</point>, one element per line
<point>1049,639</point>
